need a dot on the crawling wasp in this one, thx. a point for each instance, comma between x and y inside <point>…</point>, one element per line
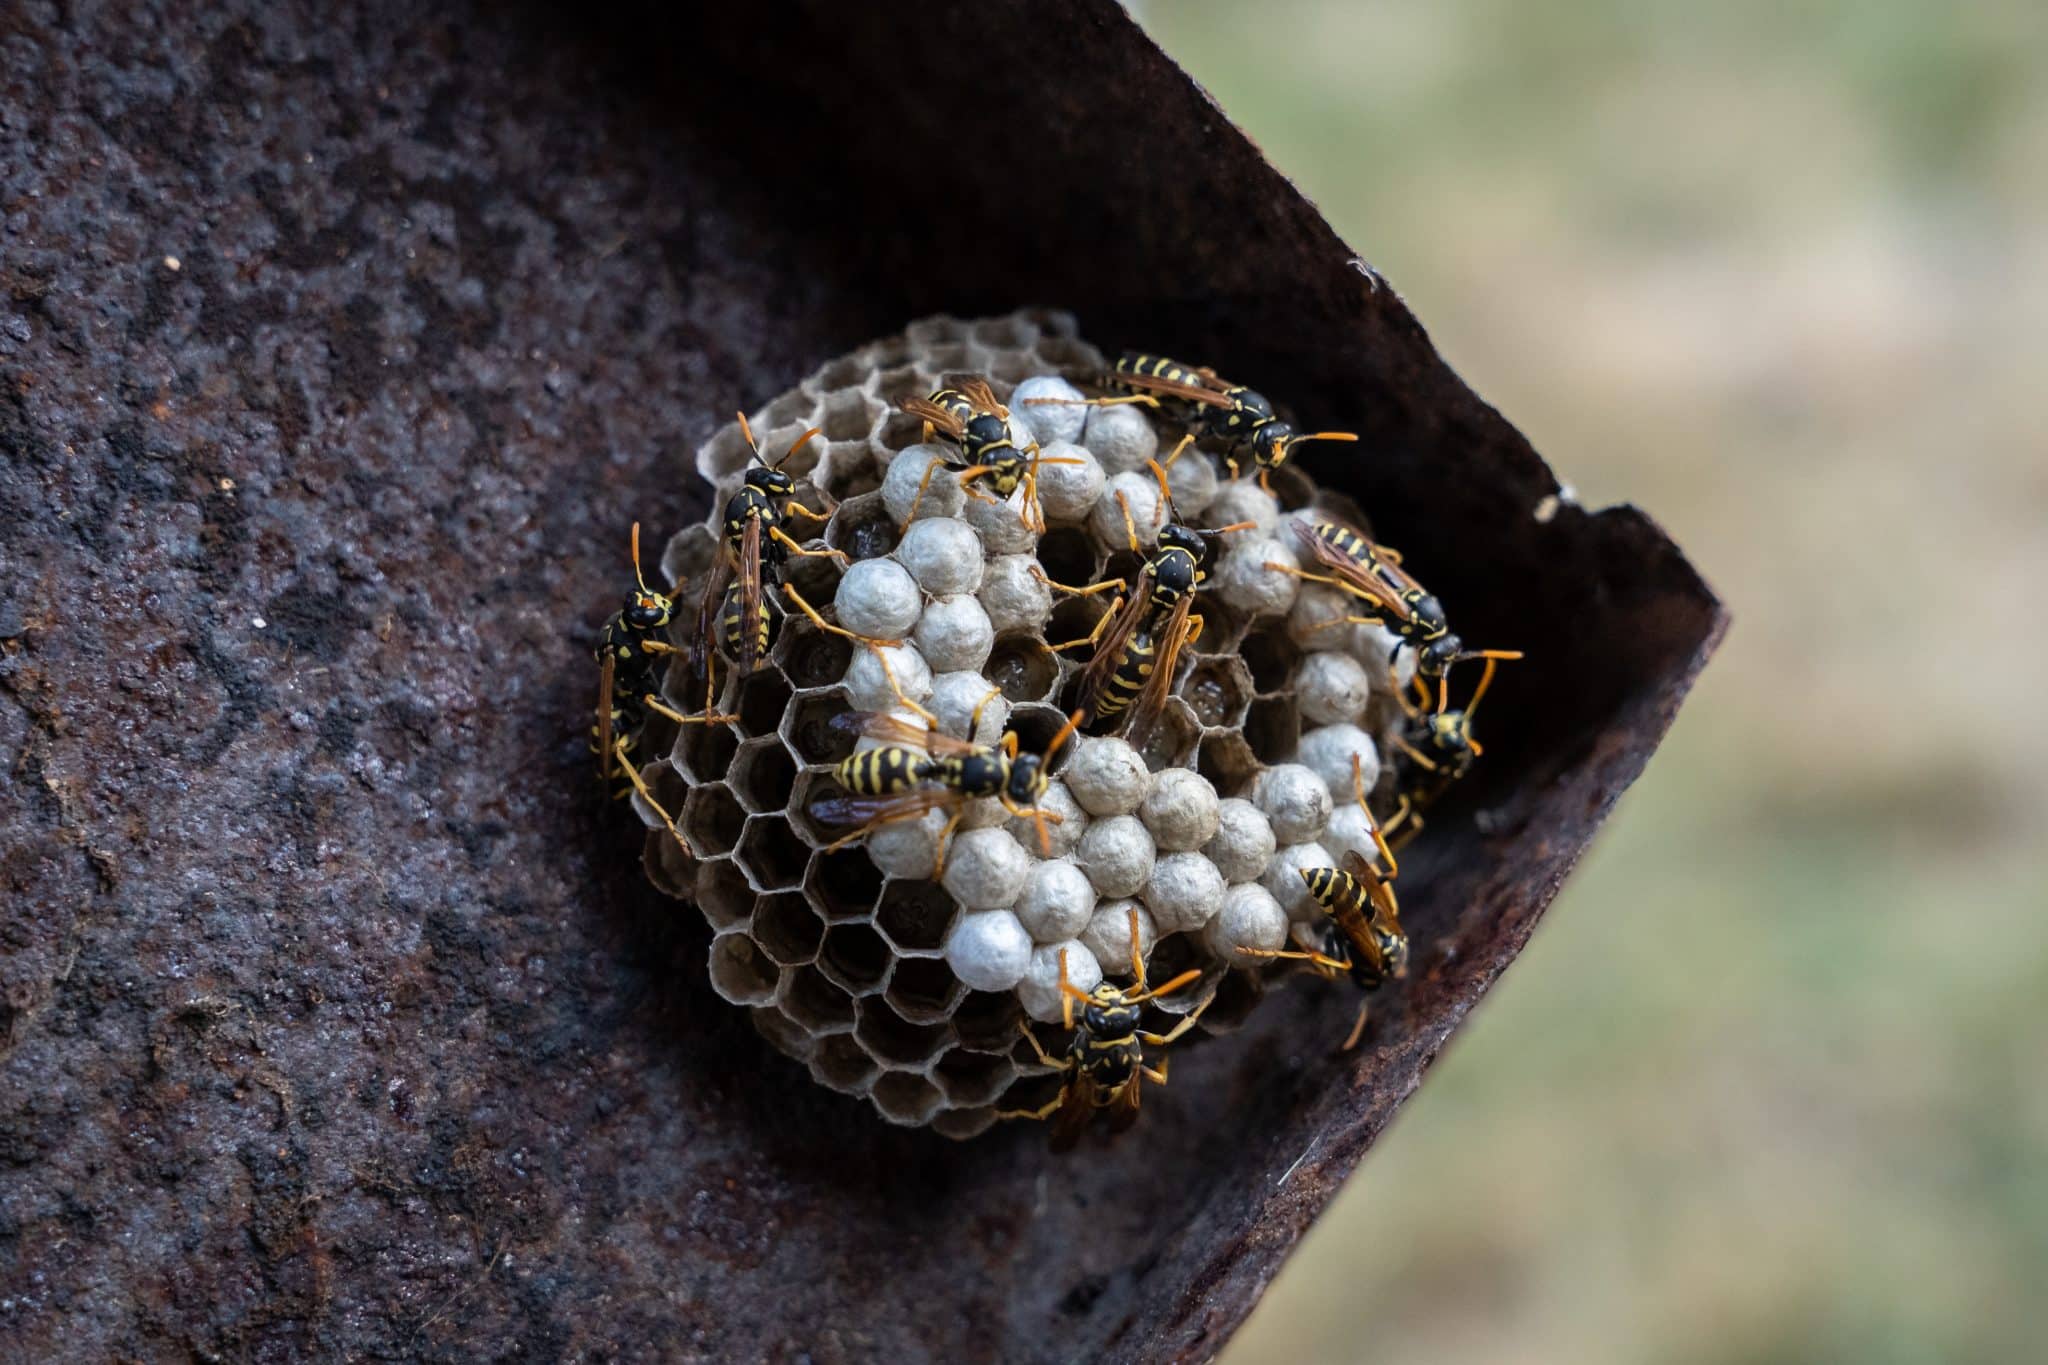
<point>1138,641</point>
<point>964,410</point>
<point>1362,934</point>
<point>733,612</point>
<point>1389,596</point>
<point>1210,406</point>
<point>1105,1063</point>
<point>629,654</point>
<point>917,770</point>
<point>1437,748</point>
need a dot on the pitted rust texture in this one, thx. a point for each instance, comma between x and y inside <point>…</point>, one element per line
<point>335,1016</point>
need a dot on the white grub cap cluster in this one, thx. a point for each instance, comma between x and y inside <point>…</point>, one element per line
<point>909,991</point>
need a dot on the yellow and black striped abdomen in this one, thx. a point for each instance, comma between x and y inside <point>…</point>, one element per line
<point>1128,678</point>
<point>1157,367</point>
<point>1333,888</point>
<point>1346,542</point>
<point>884,771</point>
<point>956,403</point>
<point>732,624</point>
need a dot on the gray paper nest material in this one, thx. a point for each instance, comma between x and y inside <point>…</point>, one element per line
<point>338,346</point>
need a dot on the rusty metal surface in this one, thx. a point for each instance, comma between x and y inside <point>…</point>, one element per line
<point>336,1017</point>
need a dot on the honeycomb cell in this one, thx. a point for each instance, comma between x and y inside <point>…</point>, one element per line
<point>811,658</point>
<point>1227,761</point>
<point>843,885</point>
<point>899,430</point>
<point>853,471</point>
<point>740,971</point>
<point>906,1099</point>
<point>1010,333</point>
<point>1036,727</point>
<point>1174,954</point>
<point>813,788</point>
<point>771,853</point>
<point>855,958</point>
<point>1008,367</point>
<point>815,1004</point>
<point>862,528</point>
<point>1074,619</point>
<point>847,372</point>
<point>986,1021</point>
<point>848,415</point>
<point>895,1041</point>
<point>1170,742</point>
<point>689,554</point>
<point>712,820</point>
<point>808,729</point>
<point>1237,994</point>
<point>704,752</point>
<point>763,702</point>
<point>673,872</point>
<point>961,1124</point>
<point>1023,667</point>
<point>973,1078</point>
<point>927,333</point>
<point>1068,353</point>
<point>725,455</point>
<point>1217,690</point>
<point>1291,488</point>
<point>723,894</point>
<point>924,990</point>
<point>783,1034</point>
<point>949,358</point>
<point>1270,657</point>
<point>787,929</point>
<point>840,1063</point>
<point>893,386</point>
<point>1222,627</point>
<point>763,775</point>
<point>1272,727</point>
<point>815,578</point>
<point>916,916</point>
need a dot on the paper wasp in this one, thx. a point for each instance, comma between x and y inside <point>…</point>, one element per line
<point>1437,749</point>
<point>629,655</point>
<point>964,410</point>
<point>1210,406</point>
<point>1362,935</point>
<point>915,770</point>
<point>1105,1066</point>
<point>1389,596</point>
<point>1138,642</point>
<point>733,612</point>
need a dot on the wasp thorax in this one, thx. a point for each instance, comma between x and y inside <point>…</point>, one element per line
<point>647,611</point>
<point>1107,1016</point>
<point>1027,780</point>
<point>773,482</point>
<point>986,430</point>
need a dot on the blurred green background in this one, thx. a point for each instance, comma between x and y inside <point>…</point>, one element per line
<point>1771,1083</point>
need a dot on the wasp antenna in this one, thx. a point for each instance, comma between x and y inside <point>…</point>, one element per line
<point>1324,436</point>
<point>1067,993</point>
<point>747,434</point>
<point>1137,957</point>
<point>795,446</point>
<point>1191,974</point>
<point>1479,692</point>
<point>1066,732</point>
<point>1227,530</point>
<point>638,577</point>
<point>1159,473</point>
<point>1185,442</point>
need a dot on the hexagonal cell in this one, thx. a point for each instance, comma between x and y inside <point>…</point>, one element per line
<point>713,820</point>
<point>763,701</point>
<point>916,916</point>
<point>961,1124</point>
<point>848,415</point>
<point>771,853</point>
<point>810,657</point>
<point>973,1078</point>
<point>1012,332</point>
<point>924,990</point>
<point>840,1063</point>
<point>787,929</point>
<point>986,1021</point>
<point>949,358</point>
<point>813,787</point>
<point>1173,955</point>
<point>741,972</point>
<point>1335,506</point>
<point>899,430</point>
<point>843,885</point>
<point>792,409</point>
<point>1222,627</point>
<point>1171,740</point>
<point>893,386</point>
<point>906,1099</point>
<point>763,775</point>
<point>1270,656</point>
<point>689,554</point>
<point>853,470</point>
<point>807,726</point>
<point>1007,367</point>
<point>814,1003</point>
<point>1237,994</point>
<point>894,1041</point>
<point>1036,727</point>
<point>704,752</point>
<point>1073,619</point>
<point>926,333</point>
<point>1227,761</point>
<point>673,872</point>
<point>1272,727</point>
<point>783,1035</point>
<point>816,577</point>
<point>723,894</point>
<point>846,372</point>
<point>1068,354</point>
<point>1022,666</point>
<point>855,958</point>
<point>725,454</point>
<point>862,528</point>
<point>1068,556</point>
<point>1218,690</point>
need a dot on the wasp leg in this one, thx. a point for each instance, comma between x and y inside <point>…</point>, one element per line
<point>1111,585</point>
<point>1056,1063</point>
<point>1156,1074</point>
<point>1357,1029</point>
<point>933,467</point>
<point>1044,1111</point>
<point>1145,398</point>
<point>794,548</point>
<point>1101,624</point>
<point>1321,963</point>
<point>1187,1022</point>
<point>639,785</point>
<point>945,838</point>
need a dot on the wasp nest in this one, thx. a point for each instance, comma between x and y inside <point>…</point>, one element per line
<point>908,991</point>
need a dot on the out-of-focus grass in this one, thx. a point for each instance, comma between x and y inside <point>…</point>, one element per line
<point>1768,1085</point>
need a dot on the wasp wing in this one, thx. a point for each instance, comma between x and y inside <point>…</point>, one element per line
<point>708,603</point>
<point>750,597</point>
<point>974,388</point>
<point>896,730</point>
<point>1109,649</point>
<point>882,810</point>
<point>941,420</point>
<point>1170,388</point>
<point>1172,638</point>
<point>604,717</point>
<point>1355,577</point>
<point>1078,1102</point>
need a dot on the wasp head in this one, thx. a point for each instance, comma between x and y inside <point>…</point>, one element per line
<point>773,482</point>
<point>1107,1014</point>
<point>1174,536</point>
<point>1434,659</point>
<point>647,611</point>
<point>1449,732</point>
<point>1027,780</point>
<point>984,430</point>
<point>1271,442</point>
<point>1393,946</point>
